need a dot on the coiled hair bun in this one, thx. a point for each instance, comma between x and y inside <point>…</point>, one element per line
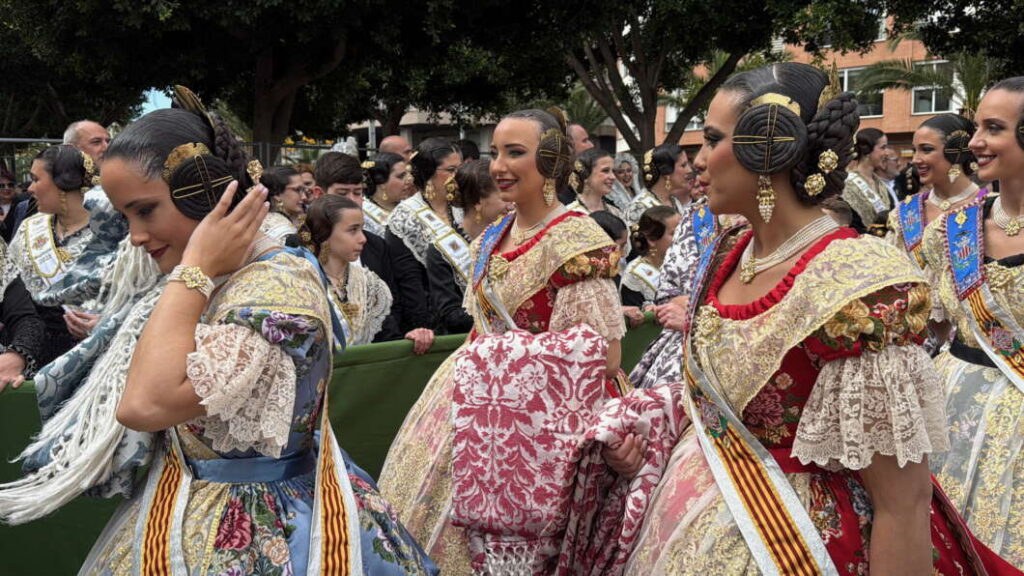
<point>956,133</point>
<point>788,118</point>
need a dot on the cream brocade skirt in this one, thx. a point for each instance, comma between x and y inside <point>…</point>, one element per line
<point>416,478</point>
<point>983,473</point>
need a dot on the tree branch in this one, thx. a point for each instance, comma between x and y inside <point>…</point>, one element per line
<point>605,100</point>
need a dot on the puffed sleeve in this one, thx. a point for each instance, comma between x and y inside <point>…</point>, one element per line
<point>244,370</point>
<point>877,391</point>
<point>586,294</point>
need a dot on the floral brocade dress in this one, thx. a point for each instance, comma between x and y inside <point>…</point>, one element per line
<point>824,371</point>
<point>253,495</point>
<point>983,472</point>
<point>559,278</point>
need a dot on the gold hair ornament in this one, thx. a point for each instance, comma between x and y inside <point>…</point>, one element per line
<point>91,178</point>
<point>368,164</point>
<point>255,171</point>
<point>648,158</point>
<point>834,87</point>
<point>180,154</point>
<point>776,98</point>
<point>765,191</point>
<point>451,187</point>
<point>955,171</point>
<point>827,162</point>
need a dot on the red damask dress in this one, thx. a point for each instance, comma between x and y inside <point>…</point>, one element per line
<point>844,378</point>
<point>556,280</point>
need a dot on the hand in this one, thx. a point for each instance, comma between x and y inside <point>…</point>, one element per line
<point>422,339</point>
<point>634,315</point>
<point>628,457</point>
<point>11,367</point>
<point>80,324</point>
<point>671,315</point>
<point>221,242</point>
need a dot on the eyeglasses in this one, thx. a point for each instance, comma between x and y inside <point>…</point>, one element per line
<point>6,186</point>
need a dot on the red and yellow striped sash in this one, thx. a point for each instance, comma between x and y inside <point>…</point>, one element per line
<point>156,545</point>
<point>333,515</point>
<point>1011,354</point>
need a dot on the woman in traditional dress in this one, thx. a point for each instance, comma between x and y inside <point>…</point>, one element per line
<point>542,269</point>
<point>361,300</point>
<point>425,219</point>
<point>477,195</point>
<point>813,407</point>
<point>287,202</point>
<point>651,241</point>
<point>386,185</point>
<point>864,190</point>
<point>592,180</point>
<point>627,181</point>
<point>47,244</point>
<point>977,251</point>
<point>667,172</point>
<point>233,373</point>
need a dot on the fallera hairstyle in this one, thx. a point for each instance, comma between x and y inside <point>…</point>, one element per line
<point>955,132</point>
<point>337,168</point>
<point>147,142</point>
<point>378,174</point>
<point>468,149</point>
<point>427,159</point>
<point>866,141</point>
<point>474,183</point>
<point>651,227</point>
<point>321,216</point>
<point>584,167</point>
<point>277,178</point>
<point>66,165</point>
<point>663,162</point>
<point>825,122</point>
<point>555,152</point>
<point>612,225</point>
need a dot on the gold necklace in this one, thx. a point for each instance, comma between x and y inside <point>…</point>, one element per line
<point>1010,225</point>
<point>751,267</point>
<point>947,203</point>
<point>520,236</point>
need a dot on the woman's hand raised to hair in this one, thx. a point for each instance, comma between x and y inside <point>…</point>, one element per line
<point>221,242</point>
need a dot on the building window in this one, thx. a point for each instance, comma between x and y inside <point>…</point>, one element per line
<point>870,105</point>
<point>696,123</point>
<point>672,115</point>
<point>933,99</point>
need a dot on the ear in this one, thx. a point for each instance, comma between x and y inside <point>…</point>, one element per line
<point>317,192</point>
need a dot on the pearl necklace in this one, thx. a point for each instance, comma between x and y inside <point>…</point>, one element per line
<point>945,204</point>
<point>1011,226</point>
<point>520,236</point>
<point>750,267</point>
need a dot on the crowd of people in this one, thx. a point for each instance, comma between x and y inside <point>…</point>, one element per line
<point>838,386</point>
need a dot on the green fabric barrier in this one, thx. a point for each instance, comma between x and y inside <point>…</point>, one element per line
<point>371,390</point>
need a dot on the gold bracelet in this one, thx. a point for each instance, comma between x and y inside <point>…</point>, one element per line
<point>194,279</point>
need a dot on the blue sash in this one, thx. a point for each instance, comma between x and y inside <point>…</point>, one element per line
<point>489,240</point>
<point>705,227</point>
<point>911,216</point>
<point>964,237</point>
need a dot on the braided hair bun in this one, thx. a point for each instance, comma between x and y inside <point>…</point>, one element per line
<point>788,121</point>
<point>956,133</point>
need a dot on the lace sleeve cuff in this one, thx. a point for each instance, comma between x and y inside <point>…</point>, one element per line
<point>594,302</point>
<point>247,386</point>
<point>888,402</point>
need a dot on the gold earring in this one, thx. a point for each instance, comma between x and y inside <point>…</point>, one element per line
<point>954,172</point>
<point>325,253</point>
<point>549,191</point>
<point>384,195</point>
<point>63,203</point>
<point>765,197</point>
<point>451,187</point>
<point>479,218</point>
<point>974,166</point>
<point>428,190</point>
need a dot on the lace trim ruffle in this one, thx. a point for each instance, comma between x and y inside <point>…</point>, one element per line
<point>594,302</point>
<point>247,386</point>
<point>888,402</point>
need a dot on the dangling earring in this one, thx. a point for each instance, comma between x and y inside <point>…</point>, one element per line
<point>954,172</point>
<point>668,188</point>
<point>765,197</point>
<point>549,191</point>
<point>428,190</point>
<point>63,203</point>
<point>451,187</point>
<point>278,205</point>
<point>479,219</point>
<point>325,253</point>
<point>383,195</point>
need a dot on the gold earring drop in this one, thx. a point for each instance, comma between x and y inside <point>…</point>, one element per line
<point>549,191</point>
<point>428,190</point>
<point>765,197</point>
<point>954,172</point>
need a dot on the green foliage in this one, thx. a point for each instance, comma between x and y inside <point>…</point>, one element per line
<point>993,29</point>
<point>582,109</point>
<point>966,77</point>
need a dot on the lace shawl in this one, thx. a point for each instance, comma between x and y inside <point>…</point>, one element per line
<point>680,261</point>
<point>366,290</point>
<point>404,224</point>
<point>594,302</point>
<point>888,402</point>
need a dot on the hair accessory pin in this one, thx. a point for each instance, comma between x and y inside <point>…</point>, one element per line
<point>368,164</point>
<point>180,154</point>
